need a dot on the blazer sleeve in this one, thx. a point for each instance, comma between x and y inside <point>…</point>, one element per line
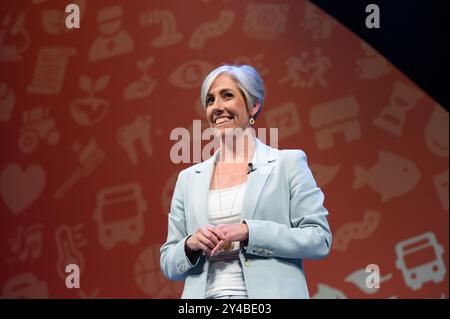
<point>174,263</point>
<point>309,234</point>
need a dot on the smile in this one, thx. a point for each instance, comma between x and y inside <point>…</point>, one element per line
<point>223,120</point>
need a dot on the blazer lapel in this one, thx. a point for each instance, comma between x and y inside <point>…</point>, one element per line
<point>200,189</point>
<point>264,161</point>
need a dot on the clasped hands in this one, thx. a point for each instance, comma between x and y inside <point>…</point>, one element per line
<point>211,238</point>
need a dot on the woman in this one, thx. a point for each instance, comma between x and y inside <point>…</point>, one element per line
<point>242,221</point>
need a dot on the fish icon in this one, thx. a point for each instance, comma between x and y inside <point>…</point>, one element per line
<point>392,176</point>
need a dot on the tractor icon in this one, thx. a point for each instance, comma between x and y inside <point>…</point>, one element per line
<point>36,126</point>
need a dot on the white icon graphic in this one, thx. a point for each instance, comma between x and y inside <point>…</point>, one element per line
<point>334,118</point>
<point>317,24</point>
<point>437,131</point>
<point>144,86</point>
<point>307,70</point>
<point>359,279</point>
<point>89,158</point>
<point>138,131</point>
<point>90,110</point>
<point>265,21</point>
<point>53,20</point>
<point>25,285</point>
<point>420,260</point>
<point>324,174</point>
<point>37,125</point>
<point>7,102</point>
<point>211,30</point>
<point>441,185</point>
<point>169,34</point>
<point>356,230</point>
<point>68,242</point>
<point>327,292</point>
<point>26,245</point>
<point>21,187</point>
<point>403,99</point>
<point>50,70</point>
<point>112,40</point>
<point>255,61</point>
<point>120,215</point>
<point>190,74</point>
<point>284,117</point>
<point>373,65</point>
<point>14,38</point>
<point>297,71</point>
<point>149,278</point>
<point>392,176</point>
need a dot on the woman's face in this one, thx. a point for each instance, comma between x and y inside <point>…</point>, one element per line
<point>225,105</point>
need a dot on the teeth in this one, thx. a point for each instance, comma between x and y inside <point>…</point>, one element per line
<point>222,120</point>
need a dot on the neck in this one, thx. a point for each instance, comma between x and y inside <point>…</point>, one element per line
<point>237,148</point>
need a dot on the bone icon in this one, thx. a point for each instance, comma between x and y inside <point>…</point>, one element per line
<point>128,135</point>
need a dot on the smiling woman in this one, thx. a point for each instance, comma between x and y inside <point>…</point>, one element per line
<point>235,232</point>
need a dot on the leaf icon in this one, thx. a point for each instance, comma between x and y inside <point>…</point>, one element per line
<point>327,292</point>
<point>85,83</point>
<point>358,278</point>
<point>101,83</point>
<point>323,173</point>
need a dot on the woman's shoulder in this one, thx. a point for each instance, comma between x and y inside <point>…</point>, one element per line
<point>291,155</point>
<point>194,168</point>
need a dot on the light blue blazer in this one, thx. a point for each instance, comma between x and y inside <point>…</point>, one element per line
<point>283,208</point>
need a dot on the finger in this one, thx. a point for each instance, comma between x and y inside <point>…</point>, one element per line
<point>208,234</point>
<point>219,233</point>
<point>206,241</point>
<point>204,248</point>
<point>218,247</point>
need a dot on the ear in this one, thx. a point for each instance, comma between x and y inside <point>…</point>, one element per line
<point>254,109</point>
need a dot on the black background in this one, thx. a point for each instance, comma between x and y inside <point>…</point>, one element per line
<point>413,35</point>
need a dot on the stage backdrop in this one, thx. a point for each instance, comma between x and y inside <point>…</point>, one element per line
<point>86,116</point>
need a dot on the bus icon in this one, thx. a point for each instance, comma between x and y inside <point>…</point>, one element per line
<point>420,260</point>
<point>120,215</point>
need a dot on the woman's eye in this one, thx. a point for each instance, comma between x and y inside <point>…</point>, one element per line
<point>228,95</point>
<point>209,100</point>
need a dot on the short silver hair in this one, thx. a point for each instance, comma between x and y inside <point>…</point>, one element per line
<point>247,80</point>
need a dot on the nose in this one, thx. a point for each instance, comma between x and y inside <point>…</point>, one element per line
<point>217,108</point>
<point>217,111</point>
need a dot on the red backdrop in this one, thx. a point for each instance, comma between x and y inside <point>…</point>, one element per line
<point>85,120</point>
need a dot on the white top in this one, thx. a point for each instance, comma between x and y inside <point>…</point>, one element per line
<point>225,275</point>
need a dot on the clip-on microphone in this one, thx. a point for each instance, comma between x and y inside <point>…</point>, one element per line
<point>251,168</point>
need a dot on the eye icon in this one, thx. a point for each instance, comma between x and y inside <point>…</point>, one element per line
<point>190,74</point>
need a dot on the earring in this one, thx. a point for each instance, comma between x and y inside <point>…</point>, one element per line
<point>252,120</point>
